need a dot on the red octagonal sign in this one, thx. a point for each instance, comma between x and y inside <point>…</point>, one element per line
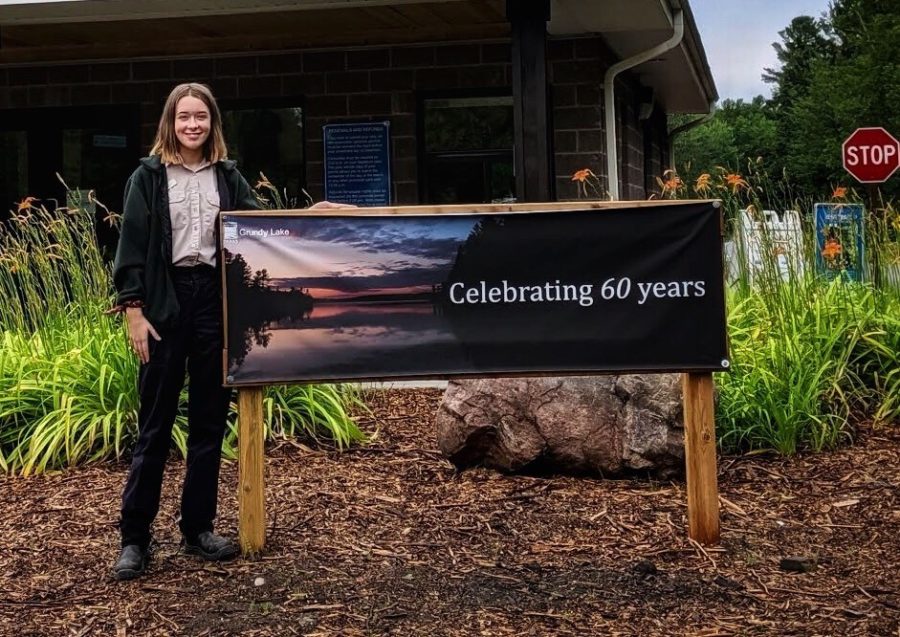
<point>871,155</point>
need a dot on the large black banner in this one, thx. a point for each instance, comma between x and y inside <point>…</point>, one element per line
<point>312,298</point>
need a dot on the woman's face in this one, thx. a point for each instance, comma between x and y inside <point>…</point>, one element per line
<point>192,122</point>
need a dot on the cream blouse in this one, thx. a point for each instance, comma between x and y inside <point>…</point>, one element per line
<point>194,211</point>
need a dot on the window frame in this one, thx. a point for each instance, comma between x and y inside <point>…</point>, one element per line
<point>274,103</point>
<point>422,154</point>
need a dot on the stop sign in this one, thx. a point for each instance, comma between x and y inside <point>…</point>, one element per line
<point>871,155</point>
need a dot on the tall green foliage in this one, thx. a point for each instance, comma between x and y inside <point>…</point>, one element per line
<point>804,45</point>
<point>809,357</point>
<point>68,379</point>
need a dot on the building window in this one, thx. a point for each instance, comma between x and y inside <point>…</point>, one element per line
<point>92,148</point>
<point>467,150</point>
<point>13,169</point>
<point>269,141</point>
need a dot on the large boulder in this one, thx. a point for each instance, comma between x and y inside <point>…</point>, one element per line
<point>606,425</point>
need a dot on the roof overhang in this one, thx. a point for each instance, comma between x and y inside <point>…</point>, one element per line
<point>681,78</point>
<point>58,11</point>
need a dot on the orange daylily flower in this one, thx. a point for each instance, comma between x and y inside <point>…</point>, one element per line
<point>736,182</point>
<point>832,249</point>
<point>582,175</point>
<point>839,193</point>
<point>672,183</point>
<point>25,204</point>
<point>264,182</point>
<point>703,183</point>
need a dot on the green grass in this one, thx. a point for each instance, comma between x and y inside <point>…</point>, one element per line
<point>68,378</point>
<point>810,357</point>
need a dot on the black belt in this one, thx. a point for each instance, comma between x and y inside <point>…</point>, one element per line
<point>189,270</point>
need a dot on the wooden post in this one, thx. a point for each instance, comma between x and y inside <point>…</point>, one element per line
<point>700,458</point>
<point>531,147</point>
<point>251,493</point>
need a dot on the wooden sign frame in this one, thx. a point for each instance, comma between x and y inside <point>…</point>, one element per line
<point>698,393</point>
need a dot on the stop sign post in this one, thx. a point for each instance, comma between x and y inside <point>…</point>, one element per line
<point>871,155</point>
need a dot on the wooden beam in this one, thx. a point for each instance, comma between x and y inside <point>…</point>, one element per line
<point>470,209</point>
<point>251,490</point>
<point>530,109</point>
<point>244,44</point>
<point>700,458</point>
<point>206,35</point>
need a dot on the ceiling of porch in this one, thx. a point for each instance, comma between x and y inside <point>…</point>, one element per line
<point>39,31</point>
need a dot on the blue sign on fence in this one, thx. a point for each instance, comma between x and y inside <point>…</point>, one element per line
<point>840,242</point>
<point>358,163</point>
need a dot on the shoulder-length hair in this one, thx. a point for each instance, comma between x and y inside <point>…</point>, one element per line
<point>166,144</point>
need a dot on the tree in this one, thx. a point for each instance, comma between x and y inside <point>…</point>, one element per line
<point>260,279</point>
<point>737,131</point>
<point>859,85</point>
<point>754,129</point>
<point>836,73</point>
<point>804,45</point>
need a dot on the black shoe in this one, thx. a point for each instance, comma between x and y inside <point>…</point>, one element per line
<point>211,547</point>
<point>131,563</point>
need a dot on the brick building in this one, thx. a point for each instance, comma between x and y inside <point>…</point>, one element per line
<point>486,99</point>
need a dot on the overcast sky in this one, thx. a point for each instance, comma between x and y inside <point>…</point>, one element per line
<point>738,37</point>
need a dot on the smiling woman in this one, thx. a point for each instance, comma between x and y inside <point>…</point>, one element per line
<point>166,277</point>
<point>190,117</point>
<point>191,126</point>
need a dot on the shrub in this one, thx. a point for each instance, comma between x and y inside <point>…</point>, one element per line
<point>68,379</point>
<point>810,357</point>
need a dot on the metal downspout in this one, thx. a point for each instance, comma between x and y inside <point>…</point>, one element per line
<point>609,97</point>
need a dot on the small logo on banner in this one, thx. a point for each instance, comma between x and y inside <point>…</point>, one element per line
<point>231,231</point>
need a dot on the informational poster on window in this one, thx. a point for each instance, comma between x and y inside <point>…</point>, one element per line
<point>840,240</point>
<point>358,163</point>
<point>334,295</point>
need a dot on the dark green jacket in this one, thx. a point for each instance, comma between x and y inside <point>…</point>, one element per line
<point>142,269</point>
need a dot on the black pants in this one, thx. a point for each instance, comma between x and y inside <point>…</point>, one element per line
<point>196,340</point>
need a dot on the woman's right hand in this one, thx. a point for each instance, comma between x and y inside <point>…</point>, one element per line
<point>139,332</point>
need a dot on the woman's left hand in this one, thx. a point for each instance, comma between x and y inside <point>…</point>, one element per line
<point>327,205</point>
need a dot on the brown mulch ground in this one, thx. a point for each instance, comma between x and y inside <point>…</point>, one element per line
<point>390,539</point>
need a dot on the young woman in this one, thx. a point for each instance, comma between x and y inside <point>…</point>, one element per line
<point>166,275</point>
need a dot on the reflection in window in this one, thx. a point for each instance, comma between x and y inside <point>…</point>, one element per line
<point>13,169</point>
<point>468,150</point>
<point>92,159</point>
<point>269,141</point>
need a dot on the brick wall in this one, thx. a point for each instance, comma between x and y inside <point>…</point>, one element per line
<point>576,74</point>
<point>630,139</point>
<point>577,69</point>
<point>364,84</point>
<point>656,139</point>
